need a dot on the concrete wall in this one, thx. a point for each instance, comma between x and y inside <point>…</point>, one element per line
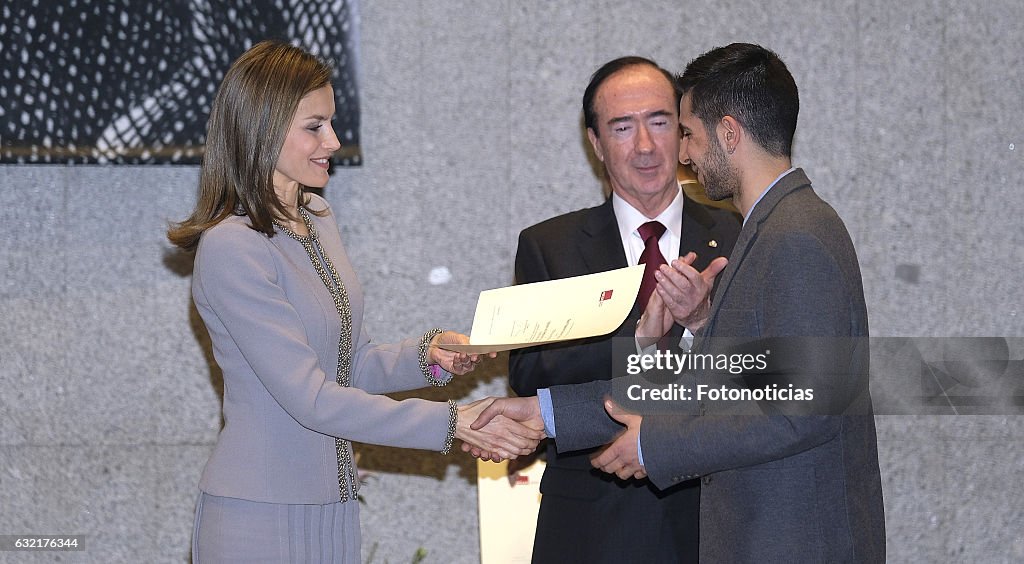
<point>910,126</point>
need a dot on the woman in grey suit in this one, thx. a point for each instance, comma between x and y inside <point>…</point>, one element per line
<point>284,310</point>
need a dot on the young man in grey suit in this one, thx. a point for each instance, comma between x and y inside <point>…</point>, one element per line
<point>777,485</point>
<point>630,110</point>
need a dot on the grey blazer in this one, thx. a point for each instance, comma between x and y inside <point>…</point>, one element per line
<point>776,487</point>
<point>275,331</point>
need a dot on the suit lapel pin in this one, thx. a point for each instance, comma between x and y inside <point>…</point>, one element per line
<point>713,244</point>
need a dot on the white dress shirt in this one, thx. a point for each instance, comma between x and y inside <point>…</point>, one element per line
<point>630,219</point>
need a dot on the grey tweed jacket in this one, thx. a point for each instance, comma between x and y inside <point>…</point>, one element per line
<point>275,332</point>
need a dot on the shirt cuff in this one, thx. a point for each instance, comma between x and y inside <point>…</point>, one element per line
<point>649,351</point>
<point>547,412</point>
<point>686,342</point>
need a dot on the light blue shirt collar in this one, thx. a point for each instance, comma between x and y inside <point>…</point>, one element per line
<point>770,186</point>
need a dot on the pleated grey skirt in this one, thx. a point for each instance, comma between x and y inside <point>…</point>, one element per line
<point>236,530</point>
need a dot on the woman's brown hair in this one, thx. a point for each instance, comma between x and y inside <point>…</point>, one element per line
<point>248,123</point>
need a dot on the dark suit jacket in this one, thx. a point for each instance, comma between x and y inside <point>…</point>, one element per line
<point>615,521</point>
<point>777,487</point>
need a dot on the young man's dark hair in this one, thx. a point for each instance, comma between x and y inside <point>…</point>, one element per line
<point>749,83</point>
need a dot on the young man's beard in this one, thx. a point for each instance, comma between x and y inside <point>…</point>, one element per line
<point>721,180</point>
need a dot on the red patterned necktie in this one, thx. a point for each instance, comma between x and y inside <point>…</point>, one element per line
<point>651,258</point>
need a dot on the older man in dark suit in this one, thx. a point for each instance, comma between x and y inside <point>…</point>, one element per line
<point>631,113</point>
<point>778,485</point>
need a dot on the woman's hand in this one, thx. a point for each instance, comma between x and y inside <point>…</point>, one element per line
<point>456,363</point>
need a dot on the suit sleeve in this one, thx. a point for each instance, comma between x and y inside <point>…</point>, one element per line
<point>237,281</point>
<point>580,418</point>
<point>387,368</point>
<point>805,294</point>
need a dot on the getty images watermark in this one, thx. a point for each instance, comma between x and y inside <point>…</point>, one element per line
<point>825,376</point>
<point>676,363</point>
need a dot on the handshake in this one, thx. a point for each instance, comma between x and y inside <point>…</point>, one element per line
<point>499,429</point>
<point>492,428</point>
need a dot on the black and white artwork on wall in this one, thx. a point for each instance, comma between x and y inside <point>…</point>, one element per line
<point>131,81</point>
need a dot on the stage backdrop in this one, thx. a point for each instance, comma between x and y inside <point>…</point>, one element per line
<point>93,81</point>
